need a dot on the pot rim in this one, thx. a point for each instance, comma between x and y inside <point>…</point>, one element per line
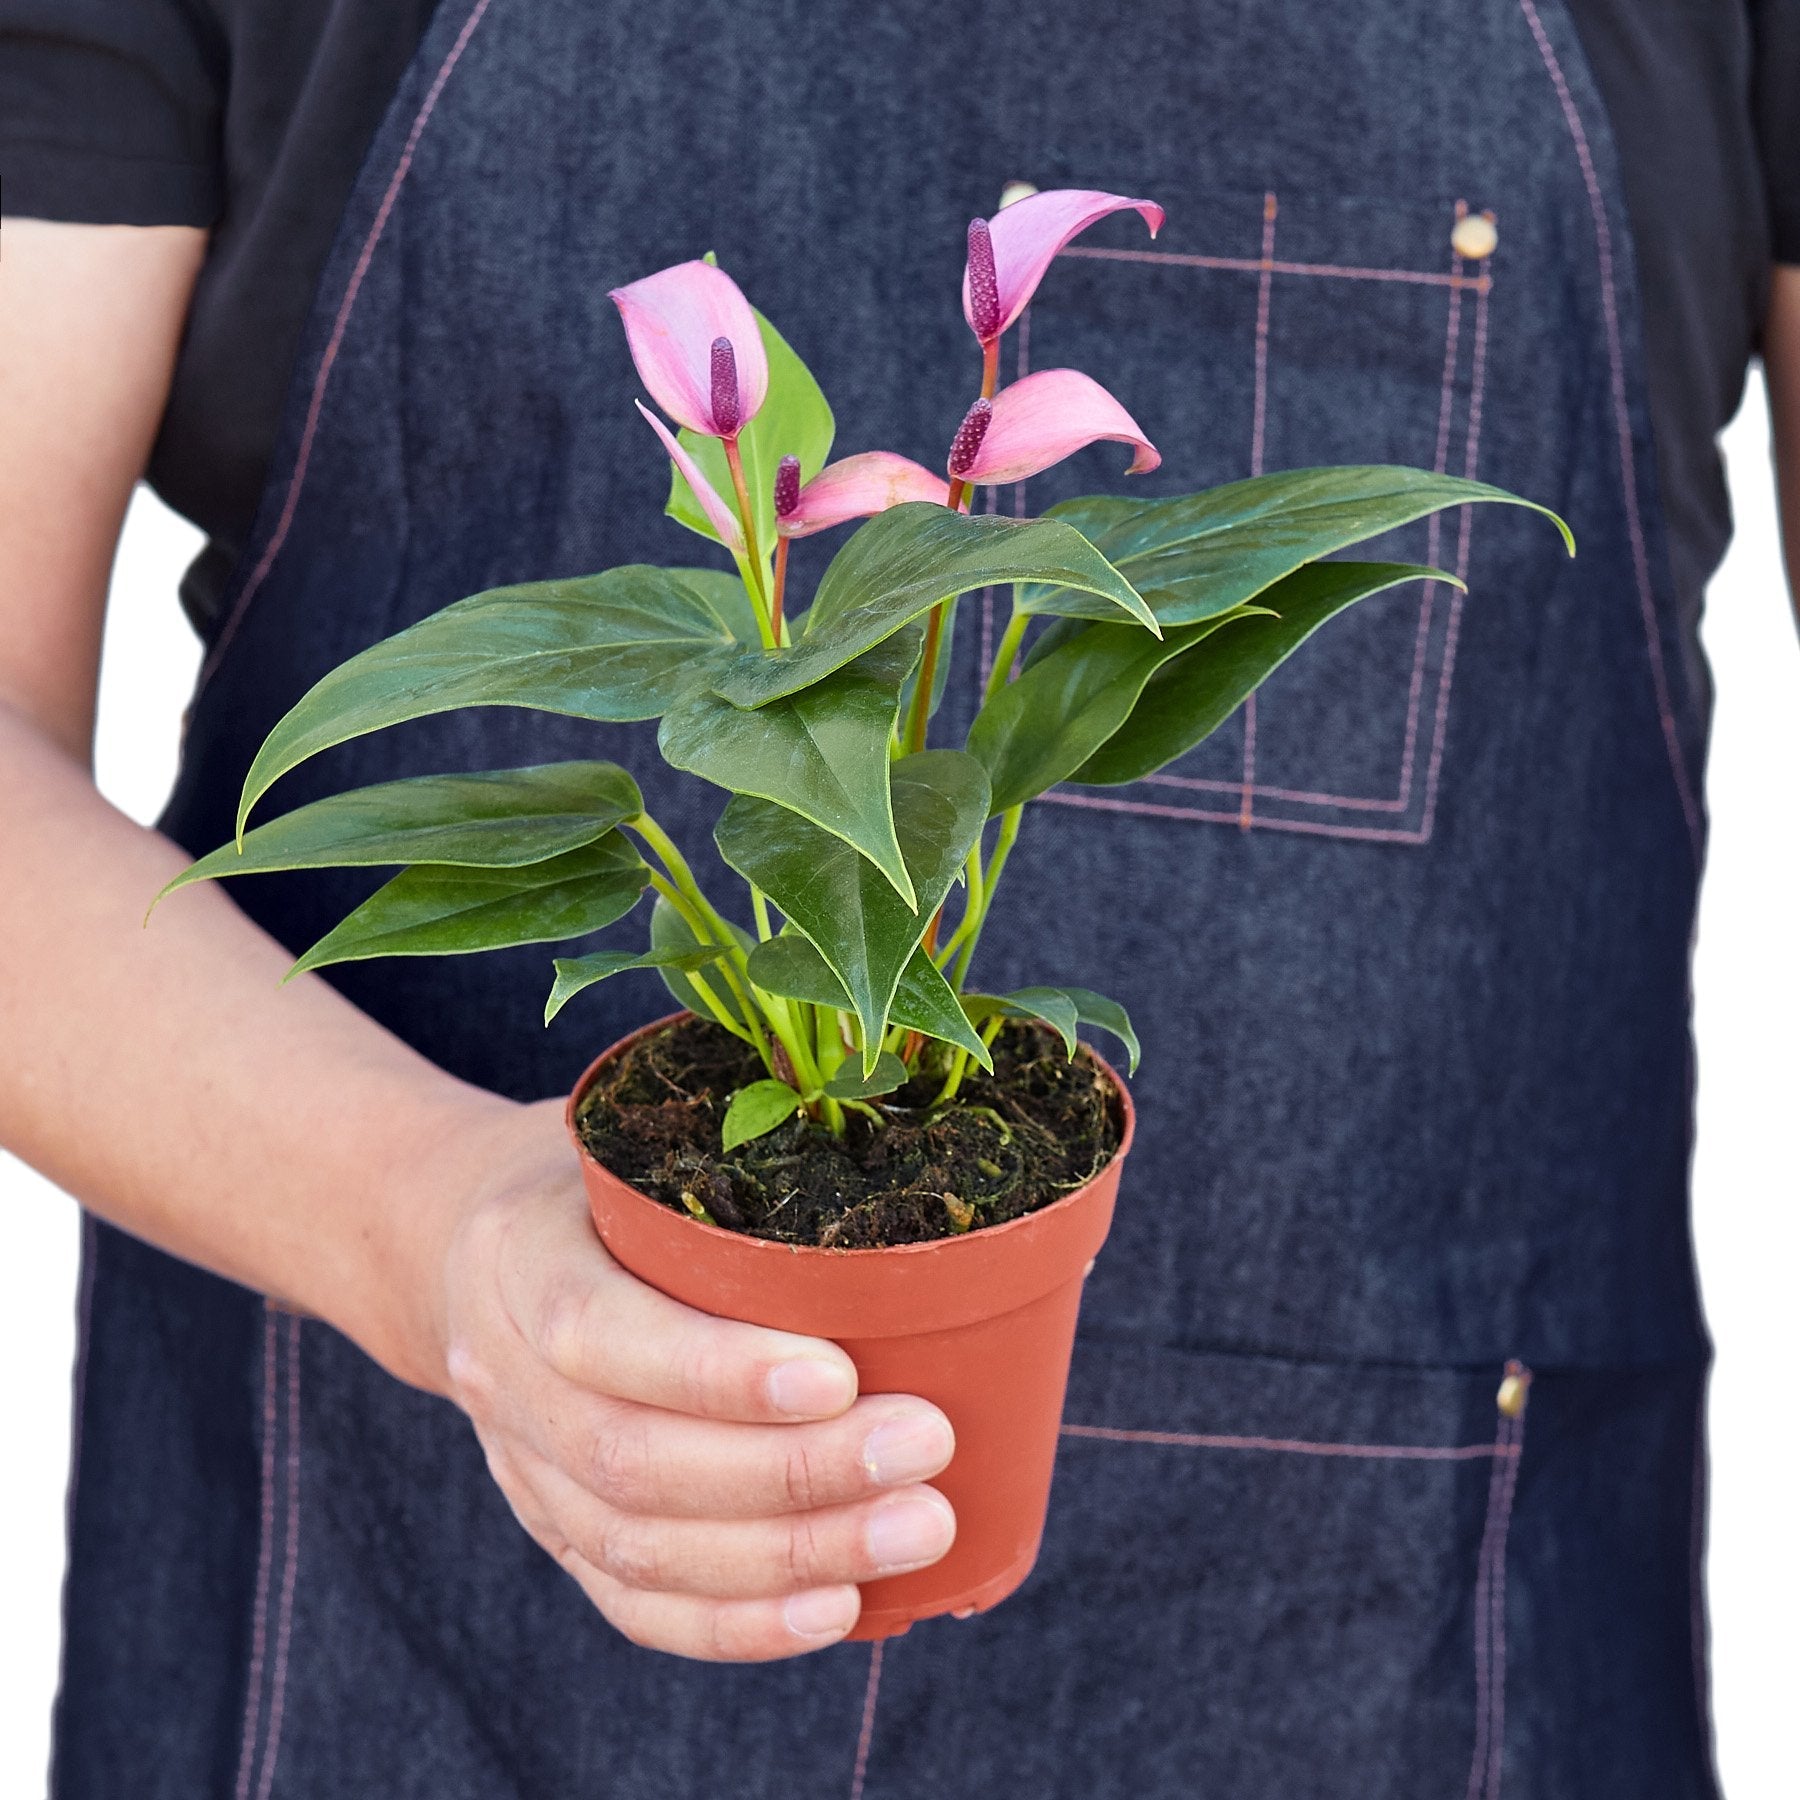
<point>987,1235</point>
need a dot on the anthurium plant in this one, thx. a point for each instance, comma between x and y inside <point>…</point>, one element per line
<point>872,856</point>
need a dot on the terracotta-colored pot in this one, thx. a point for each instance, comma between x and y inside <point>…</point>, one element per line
<point>981,1325</point>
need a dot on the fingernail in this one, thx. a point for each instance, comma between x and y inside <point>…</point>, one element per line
<point>909,1533</point>
<point>823,1612</point>
<point>809,1388</point>
<point>908,1448</point>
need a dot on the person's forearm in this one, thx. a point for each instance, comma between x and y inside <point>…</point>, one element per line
<point>275,1135</point>
<point>1781,363</point>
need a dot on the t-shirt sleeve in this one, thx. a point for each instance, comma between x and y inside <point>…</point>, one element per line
<point>110,111</point>
<point>1776,97</point>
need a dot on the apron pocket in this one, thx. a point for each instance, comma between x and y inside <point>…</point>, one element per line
<point>1260,1579</point>
<point>1275,330</point>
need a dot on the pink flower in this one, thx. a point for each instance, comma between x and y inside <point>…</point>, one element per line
<point>697,348</point>
<point>1037,422</point>
<point>852,489</point>
<point>1009,253</point>
<point>722,517</point>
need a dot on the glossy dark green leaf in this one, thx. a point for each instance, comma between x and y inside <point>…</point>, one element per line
<point>436,910</point>
<point>839,899</point>
<point>1065,704</point>
<point>575,974</point>
<point>1190,698</point>
<point>499,819</point>
<point>890,1073</point>
<point>822,753</point>
<point>790,965</point>
<point>729,599</point>
<point>756,1110</point>
<point>1062,1008</point>
<point>901,564</point>
<point>793,420</point>
<point>628,644</point>
<point>669,931</point>
<point>1202,554</point>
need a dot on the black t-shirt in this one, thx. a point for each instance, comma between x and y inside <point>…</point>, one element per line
<point>251,117</point>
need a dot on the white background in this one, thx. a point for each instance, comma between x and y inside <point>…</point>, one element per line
<point>1747,1177</point>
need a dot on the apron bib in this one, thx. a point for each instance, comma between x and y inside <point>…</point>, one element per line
<point>1407,940</point>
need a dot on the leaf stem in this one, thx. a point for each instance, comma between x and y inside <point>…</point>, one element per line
<point>1006,654</point>
<point>1009,834</point>
<point>918,720</point>
<point>765,617</point>
<point>776,622</point>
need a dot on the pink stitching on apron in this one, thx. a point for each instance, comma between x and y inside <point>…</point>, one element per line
<point>290,1563</point>
<point>1252,265</point>
<point>1615,356</point>
<point>1200,1440</point>
<point>1490,1601</point>
<point>339,326</point>
<point>1264,284</point>
<point>265,1550</point>
<point>867,1734</point>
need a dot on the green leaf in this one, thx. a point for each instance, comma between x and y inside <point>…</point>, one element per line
<point>848,908</point>
<point>669,931</point>
<point>1202,554</point>
<point>729,599</point>
<point>1061,1008</point>
<point>793,420</point>
<point>756,1110</point>
<point>1065,704</point>
<point>901,564</point>
<point>790,965</point>
<point>890,1073</point>
<point>1191,697</point>
<point>822,753</point>
<point>625,645</point>
<point>436,910</point>
<point>576,973</point>
<point>499,819</point>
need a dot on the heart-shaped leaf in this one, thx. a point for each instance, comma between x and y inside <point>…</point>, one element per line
<point>1038,729</point>
<point>901,564</point>
<point>1192,696</point>
<point>848,908</point>
<point>822,753</point>
<point>1061,1008</point>
<point>1202,554</point>
<point>793,420</point>
<point>790,965</point>
<point>574,974</point>
<point>435,910</point>
<point>890,1073</point>
<point>669,931</point>
<point>499,819</point>
<point>729,599</point>
<point>756,1110</point>
<point>625,645</point>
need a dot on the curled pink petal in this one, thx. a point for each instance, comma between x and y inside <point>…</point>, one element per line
<point>673,320</point>
<point>1026,236</point>
<point>859,486</point>
<point>722,517</point>
<point>1043,418</point>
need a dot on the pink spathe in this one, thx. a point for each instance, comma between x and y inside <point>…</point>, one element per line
<point>720,516</point>
<point>858,486</point>
<point>673,322</point>
<point>1043,418</point>
<point>1025,238</point>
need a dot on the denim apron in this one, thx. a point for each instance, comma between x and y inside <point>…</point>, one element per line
<point>1382,1465</point>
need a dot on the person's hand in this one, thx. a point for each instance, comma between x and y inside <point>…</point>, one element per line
<point>716,1489</point>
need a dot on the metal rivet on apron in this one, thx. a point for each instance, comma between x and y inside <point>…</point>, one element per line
<point>1511,1398</point>
<point>1475,236</point>
<point>1015,190</point>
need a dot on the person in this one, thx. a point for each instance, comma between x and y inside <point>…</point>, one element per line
<point>1408,940</point>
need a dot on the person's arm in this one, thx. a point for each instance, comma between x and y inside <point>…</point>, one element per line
<point>281,1138</point>
<point>1781,363</point>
